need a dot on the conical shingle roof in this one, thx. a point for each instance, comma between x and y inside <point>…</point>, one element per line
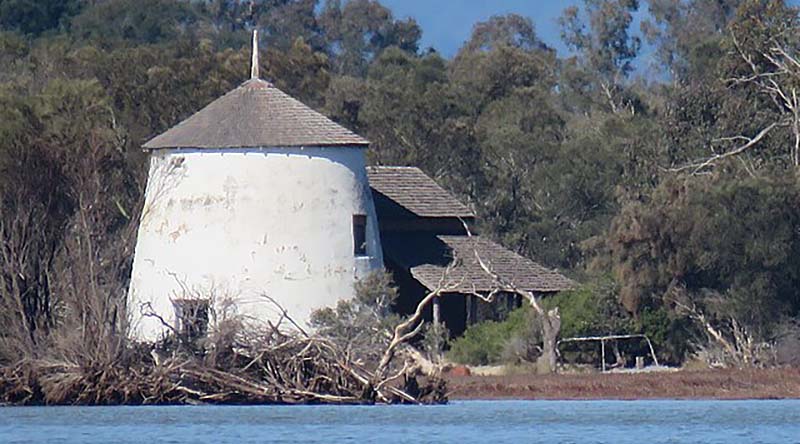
<point>256,114</point>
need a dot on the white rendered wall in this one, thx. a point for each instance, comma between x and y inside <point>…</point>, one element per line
<point>234,225</point>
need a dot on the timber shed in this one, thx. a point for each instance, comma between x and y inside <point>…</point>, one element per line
<point>422,233</point>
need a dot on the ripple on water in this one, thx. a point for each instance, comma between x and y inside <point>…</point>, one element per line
<point>460,422</point>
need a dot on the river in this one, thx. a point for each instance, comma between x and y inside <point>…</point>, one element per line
<point>460,422</point>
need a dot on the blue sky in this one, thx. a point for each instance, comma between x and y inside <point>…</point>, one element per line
<point>446,24</point>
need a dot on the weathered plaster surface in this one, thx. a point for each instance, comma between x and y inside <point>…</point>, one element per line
<point>233,225</point>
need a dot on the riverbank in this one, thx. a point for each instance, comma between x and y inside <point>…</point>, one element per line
<point>779,383</point>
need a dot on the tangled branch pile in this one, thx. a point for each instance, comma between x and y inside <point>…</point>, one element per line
<point>237,363</point>
<point>278,369</point>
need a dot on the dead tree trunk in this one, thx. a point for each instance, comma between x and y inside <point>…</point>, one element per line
<point>551,328</point>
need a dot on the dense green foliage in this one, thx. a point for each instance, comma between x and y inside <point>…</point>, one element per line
<point>486,343</point>
<point>573,160</point>
<point>587,311</point>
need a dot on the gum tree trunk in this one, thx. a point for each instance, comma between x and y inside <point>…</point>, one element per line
<point>551,328</point>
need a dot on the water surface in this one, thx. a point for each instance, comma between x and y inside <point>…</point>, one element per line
<point>460,422</point>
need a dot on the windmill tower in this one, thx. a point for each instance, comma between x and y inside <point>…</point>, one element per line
<point>256,194</point>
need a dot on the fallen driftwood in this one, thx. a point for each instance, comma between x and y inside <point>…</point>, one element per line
<point>307,371</point>
<point>239,367</point>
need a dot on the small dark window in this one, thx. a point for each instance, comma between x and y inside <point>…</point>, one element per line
<point>360,235</point>
<point>191,318</point>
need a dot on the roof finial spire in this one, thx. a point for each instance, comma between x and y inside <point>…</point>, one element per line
<point>254,62</point>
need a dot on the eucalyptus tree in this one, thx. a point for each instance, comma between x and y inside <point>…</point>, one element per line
<point>600,34</point>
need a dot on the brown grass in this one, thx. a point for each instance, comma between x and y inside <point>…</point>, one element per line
<point>775,383</point>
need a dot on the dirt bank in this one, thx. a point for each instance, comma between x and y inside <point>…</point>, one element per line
<point>704,384</point>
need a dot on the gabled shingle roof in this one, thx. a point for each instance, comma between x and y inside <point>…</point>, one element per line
<point>256,114</point>
<point>427,258</point>
<point>413,190</point>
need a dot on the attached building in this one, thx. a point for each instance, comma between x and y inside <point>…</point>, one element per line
<point>423,236</point>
